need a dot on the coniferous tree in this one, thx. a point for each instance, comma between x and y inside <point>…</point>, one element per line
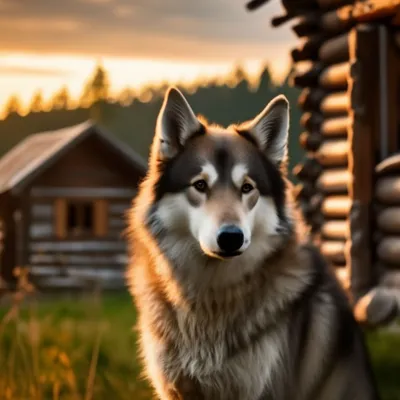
<point>61,99</point>
<point>37,102</point>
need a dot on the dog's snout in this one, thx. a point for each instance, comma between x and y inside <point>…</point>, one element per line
<point>230,239</point>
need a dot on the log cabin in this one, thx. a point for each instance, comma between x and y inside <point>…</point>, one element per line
<point>348,68</point>
<point>63,198</point>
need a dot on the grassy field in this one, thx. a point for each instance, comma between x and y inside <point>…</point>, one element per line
<point>84,348</point>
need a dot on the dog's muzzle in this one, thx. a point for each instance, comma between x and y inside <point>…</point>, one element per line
<point>230,239</point>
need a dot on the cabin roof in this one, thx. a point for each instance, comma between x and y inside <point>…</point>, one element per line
<point>38,151</point>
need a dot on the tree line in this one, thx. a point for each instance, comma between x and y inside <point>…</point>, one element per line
<point>97,88</point>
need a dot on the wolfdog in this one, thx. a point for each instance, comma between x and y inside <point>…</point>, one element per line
<point>232,303</point>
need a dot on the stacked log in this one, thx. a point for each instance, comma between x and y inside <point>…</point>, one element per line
<point>345,100</point>
<point>325,103</point>
<point>387,192</point>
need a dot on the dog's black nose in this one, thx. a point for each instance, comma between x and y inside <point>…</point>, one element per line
<point>230,239</point>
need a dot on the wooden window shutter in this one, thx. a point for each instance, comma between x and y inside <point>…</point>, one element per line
<point>60,217</point>
<point>100,217</point>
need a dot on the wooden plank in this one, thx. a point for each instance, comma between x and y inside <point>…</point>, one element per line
<point>310,169</point>
<point>343,276</point>
<point>99,192</point>
<point>335,76</point>
<point>118,208</point>
<point>335,229</point>
<point>77,246</point>
<point>364,72</point>
<point>335,126</point>
<point>335,50</point>
<point>81,271</point>
<point>388,250</point>
<point>310,99</point>
<point>336,206</point>
<point>334,181</point>
<point>388,220</point>
<point>377,307</point>
<point>337,103</point>
<point>60,220</point>
<point>391,279</point>
<point>117,223</point>
<point>387,190</point>
<point>41,230</point>
<point>333,250</point>
<point>311,121</point>
<point>65,259</point>
<point>74,282</point>
<point>333,153</point>
<point>389,165</point>
<point>310,141</point>
<point>42,211</point>
<point>101,217</point>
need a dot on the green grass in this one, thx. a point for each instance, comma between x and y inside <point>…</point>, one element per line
<point>57,348</point>
<point>47,351</point>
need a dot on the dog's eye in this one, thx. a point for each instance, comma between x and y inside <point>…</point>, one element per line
<point>200,185</point>
<point>247,188</point>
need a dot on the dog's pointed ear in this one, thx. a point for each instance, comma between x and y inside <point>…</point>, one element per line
<point>270,129</point>
<point>176,122</point>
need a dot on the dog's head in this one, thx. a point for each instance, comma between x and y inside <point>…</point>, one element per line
<point>219,190</point>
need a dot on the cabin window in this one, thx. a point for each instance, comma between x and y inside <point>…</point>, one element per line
<point>81,218</point>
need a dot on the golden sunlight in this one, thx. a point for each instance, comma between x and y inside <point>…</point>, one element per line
<point>22,73</point>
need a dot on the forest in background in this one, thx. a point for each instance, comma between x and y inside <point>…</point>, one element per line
<point>131,115</point>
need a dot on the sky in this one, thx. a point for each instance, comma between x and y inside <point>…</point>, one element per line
<point>48,43</point>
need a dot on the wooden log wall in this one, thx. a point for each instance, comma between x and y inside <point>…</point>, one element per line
<point>76,262</point>
<point>387,212</point>
<point>323,191</point>
<point>349,76</point>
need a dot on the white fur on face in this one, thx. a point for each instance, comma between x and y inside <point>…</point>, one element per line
<point>209,172</point>
<point>239,173</point>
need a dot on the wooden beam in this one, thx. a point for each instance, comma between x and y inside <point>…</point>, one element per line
<point>335,50</point>
<point>311,121</point>
<point>388,220</point>
<point>337,103</point>
<point>391,279</point>
<point>389,165</point>
<point>363,48</point>
<point>387,190</point>
<point>388,250</point>
<point>310,141</point>
<point>377,307</point>
<point>334,181</point>
<point>333,250</point>
<point>335,77</point>
<point>75,282</point>
<point>80,271</point>
<point>335,230</point>
<point>100,192</point>
<point>309,170</point>
<point>335,126</point>
<point>333,153</point>
<point>69,246</point>
<point>336,206</point>
<point>343,276</point>
<point>310,100</point>
<point>70,259</point>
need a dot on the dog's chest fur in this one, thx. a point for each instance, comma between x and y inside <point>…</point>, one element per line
<point>228,359</point>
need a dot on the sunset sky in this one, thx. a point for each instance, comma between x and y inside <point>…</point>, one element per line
<point>46,43</point>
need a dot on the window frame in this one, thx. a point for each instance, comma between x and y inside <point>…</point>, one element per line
<point>100,218</point>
